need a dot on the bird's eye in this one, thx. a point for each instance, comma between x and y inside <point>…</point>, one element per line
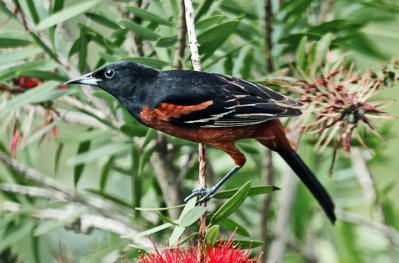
<point>109,73</point>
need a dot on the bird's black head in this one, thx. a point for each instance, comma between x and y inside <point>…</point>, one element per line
<point>119,78</point>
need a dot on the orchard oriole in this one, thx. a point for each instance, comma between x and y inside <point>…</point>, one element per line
<point>209,108</point>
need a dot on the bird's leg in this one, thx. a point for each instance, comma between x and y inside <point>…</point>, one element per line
<point>207,192</point>
<point>239,160</point>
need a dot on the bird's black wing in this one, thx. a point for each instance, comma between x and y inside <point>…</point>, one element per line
<point>231,102</point>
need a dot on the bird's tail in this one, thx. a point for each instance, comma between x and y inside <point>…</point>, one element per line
<point>311,182</point>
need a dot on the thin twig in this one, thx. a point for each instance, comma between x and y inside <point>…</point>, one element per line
<point>105,208</point>
<point>268,35</point>
<point>267,167</point>
<point>196,61</point>
<point>181,37</point>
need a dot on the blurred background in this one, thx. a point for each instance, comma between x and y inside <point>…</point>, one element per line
<point>78,172</point>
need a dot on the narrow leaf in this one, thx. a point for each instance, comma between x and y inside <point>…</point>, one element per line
<point>95,154</point>
<point>20,54</point>
<point>102,20</point>
<point>166,41</point>
<point>232,225</point>
<point>35,95</point>
<point>140,30</point>
<point>82,50</point>
<point>66,14</point>
<point>32,10</point>
<point>231,205</point>
<point>149,231</point>
<point>57,159</point>
<point>145,15</point>
<point>105,173</point>
<point>175,236</point>
<point>212,235</point>
<point>81,137</point>
<point>213,38</point>
<point>256,190</point>
<point>13,42</point>
<point>246,244</point>
<point>43,46</point>
<point>301,54</point>
<point>78,170</point>
<point>192,216</point>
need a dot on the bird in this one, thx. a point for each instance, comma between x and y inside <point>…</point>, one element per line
<point>209,108</point>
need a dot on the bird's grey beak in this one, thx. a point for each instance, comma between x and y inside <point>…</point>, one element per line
<point>87,79</point>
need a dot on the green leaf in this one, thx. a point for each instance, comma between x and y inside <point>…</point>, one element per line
<point>44,47</point>
<point>205,6</point>
<point>246,244</point>
<point>322,48</point>
<point>58,157</point>
<point>149,231</point>
<point>192,216</point>
<point>140,30</point>
<point>16,55</point>
<point>134,130</point>
<point>109,197</point>
<point>149,209</point>
<point>95,154</point>
<point>213,38</point>
<point>32,10</point>
<point>15,233</point>
<point>301,54</point>
<point>212,235</point>
<point>66,14</point>
<point>105,172</point>
<point>78,169</point>
<point>151,133</point>
<point>58,5</point>
<point>175,236</point>
<point>82,137</point>
<point>47,75</point>
<point>38,94</point>
<point>166,41</point>
<point>102,20</point>
<point>145,15</point>
<point>256,190</point>
<point>151,62</point>
<point>13,42</point>
<point>144,159</point>
<point>82,50</point>
<point>231,205</point>
<point>232,225</point>
<point>209,22</point>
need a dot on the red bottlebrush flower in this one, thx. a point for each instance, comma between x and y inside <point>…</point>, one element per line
<point>222,252</point>
<point>27,82</point>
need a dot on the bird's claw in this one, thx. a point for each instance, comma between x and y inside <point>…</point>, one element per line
<point>204,192</point>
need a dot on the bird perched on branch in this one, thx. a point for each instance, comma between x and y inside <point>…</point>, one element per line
<point>209,108</point>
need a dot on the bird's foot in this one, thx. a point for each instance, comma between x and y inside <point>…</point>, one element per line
<point>204,192</point>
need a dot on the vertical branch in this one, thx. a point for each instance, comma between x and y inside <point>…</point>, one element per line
<point>181,37</point>
<point>268,35</point>
<point>196,61</point>
<point>267,167</point>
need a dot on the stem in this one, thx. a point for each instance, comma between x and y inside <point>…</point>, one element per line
<point>196,61</point>
<point>181,38</point>
<point>268,173</point>
<point>268,35</point>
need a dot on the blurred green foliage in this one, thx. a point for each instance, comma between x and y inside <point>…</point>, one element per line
<point>89,144</point>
